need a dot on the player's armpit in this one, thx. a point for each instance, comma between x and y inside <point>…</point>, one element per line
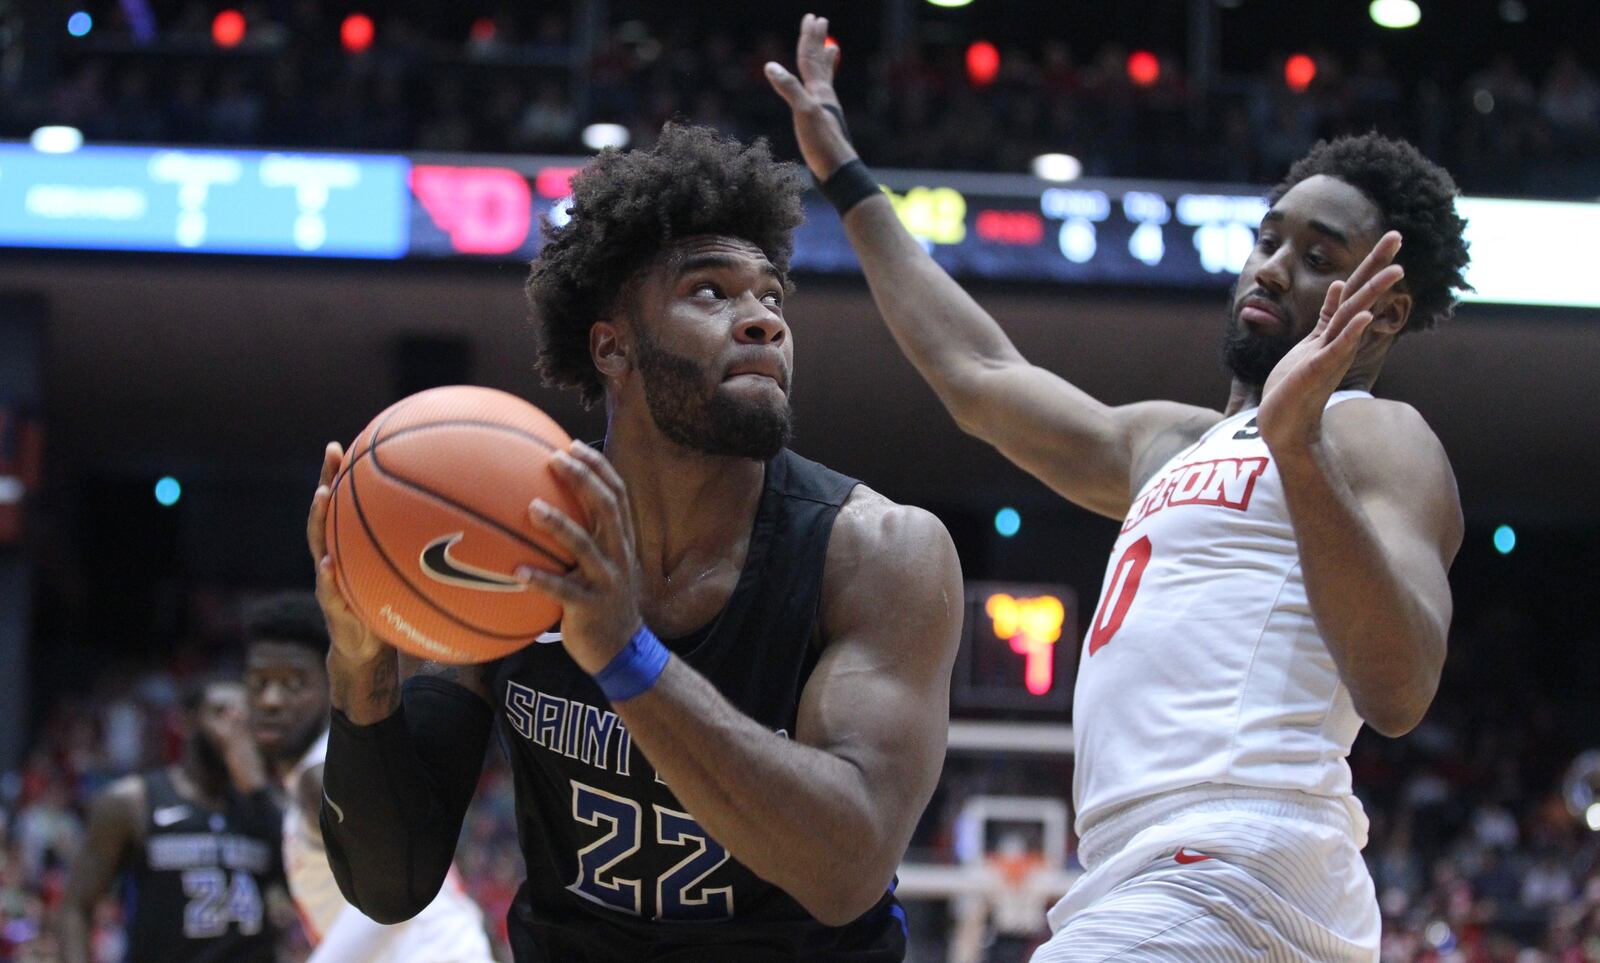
<point>879,695</point>
<point>395,794</point>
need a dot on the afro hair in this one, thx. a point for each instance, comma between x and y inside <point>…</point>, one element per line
<point>1415,197</point>
<point>292,617</point>
<point>629,207</point>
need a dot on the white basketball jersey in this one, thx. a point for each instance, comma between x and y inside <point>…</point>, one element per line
<point>1202,663</point>
<point>448,930</point>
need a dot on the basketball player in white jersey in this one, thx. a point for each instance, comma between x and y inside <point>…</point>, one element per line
<point>287,682</point>
<point>1280,576</point>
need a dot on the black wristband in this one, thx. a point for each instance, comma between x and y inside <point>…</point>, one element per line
<point>849,186</point>
<point>838,115</point>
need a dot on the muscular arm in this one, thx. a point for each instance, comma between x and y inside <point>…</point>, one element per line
<point>395,792</point>
<point>1085,450</point>
<point>1089,452</point>
<point>115,820</point>
<point>403,761</point>
<point>827,816</point>
<point>1378,522</point>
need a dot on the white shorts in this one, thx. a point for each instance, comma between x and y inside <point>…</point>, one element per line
<point>1223,876</point>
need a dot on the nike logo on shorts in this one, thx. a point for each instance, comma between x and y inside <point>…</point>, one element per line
<point>337,812</point>
<point>1184,858</point>
<point>168,815</point>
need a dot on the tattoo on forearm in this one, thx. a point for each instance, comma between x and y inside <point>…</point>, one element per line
<point>385,682</point>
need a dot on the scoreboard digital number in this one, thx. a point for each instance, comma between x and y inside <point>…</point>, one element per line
<point>1019,648</point>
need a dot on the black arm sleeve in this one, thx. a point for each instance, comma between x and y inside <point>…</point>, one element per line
<point>395,794</point>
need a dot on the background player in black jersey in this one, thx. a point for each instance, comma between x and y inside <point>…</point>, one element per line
<point>750,797</point>
<point>198,842</point>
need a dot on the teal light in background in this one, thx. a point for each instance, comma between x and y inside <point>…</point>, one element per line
<point>1008,522</point>
<point>79,24</point>
<point>1505,539</point>
<point>168,491</point>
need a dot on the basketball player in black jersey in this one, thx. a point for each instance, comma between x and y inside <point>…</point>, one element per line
<point>198,843</point>
<point>742,787</point>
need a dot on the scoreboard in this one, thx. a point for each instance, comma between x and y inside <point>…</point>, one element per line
<point>1000,227</point>
<point>1019,650</point>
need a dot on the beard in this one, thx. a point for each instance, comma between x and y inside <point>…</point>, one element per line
<point>707,420</point>
<point>1251,357</point>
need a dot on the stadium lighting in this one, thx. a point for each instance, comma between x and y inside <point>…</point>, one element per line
<point>56,140</point>
<point>1008,522</point>
<point>1592,817</point>
<point>356,32</point>
<point>80,23</point>
<point>228,28</point>
<point>1057,167</point>
<point>983,63</point>
<point>168,491</point>
<point>949,3</point>
<point>1298,72</point>
<point>601,136</point>
<point>1395,14</point>
<point>1144,68</point>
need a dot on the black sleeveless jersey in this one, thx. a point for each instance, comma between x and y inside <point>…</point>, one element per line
<point>195,889</point>
<point>618,871</point>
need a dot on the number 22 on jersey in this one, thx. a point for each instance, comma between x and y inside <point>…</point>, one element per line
<point>681,893</point>
<point>1121,587</point>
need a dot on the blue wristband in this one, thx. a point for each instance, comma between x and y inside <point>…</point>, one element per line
<point>635,669</point>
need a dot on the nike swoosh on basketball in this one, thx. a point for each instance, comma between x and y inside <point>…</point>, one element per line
<point>168,815</point>
<point>438,565</point>
<point>548,638</point>
<point>1185,858</point>
<point>339,813</point>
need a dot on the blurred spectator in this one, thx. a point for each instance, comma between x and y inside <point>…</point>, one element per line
<point>505,82</point>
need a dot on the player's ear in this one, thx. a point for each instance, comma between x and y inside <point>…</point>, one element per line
<point>1391,314</point>
<point>608,347</point>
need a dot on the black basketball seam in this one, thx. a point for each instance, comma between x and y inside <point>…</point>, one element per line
<point>372,451</point>
<point>355,498</point>
<point>454,422</point>
<point>378,436</point>
<point>341,576</point>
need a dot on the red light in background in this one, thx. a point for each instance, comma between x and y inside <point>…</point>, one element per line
<point>1033,627</point>
<point>1144,68</point>
<point>983,63</point>
<point>1299,71</point>
<point>485,210</point>
<point>555,182</point>
<point>228,28</point>
<point>1010,227</point>
<point>833,45</point>
<point>356,32</point>
<point>483,30</point>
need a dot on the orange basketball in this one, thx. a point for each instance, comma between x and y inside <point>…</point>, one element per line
<point>429,523</point>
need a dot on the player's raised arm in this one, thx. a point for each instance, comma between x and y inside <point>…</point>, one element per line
<point>1089,452</point>
<point>403,760</point>
<point>826,815</point>
<point>113,830</point>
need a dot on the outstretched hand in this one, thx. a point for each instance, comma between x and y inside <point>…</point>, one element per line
<point>1300,385</point>
<point>821,137</point>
